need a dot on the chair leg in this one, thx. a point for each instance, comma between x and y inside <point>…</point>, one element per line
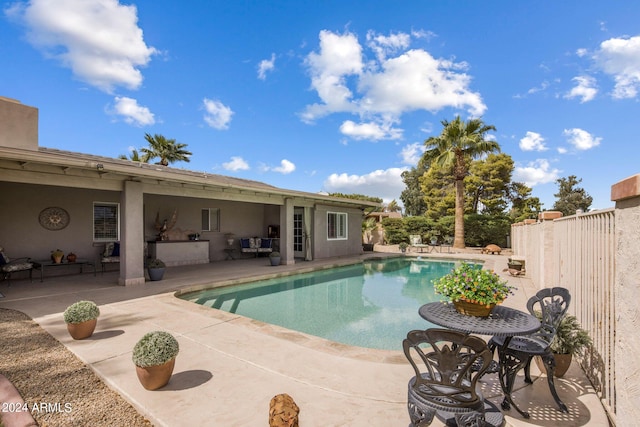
<point>420,416</point>
<point>550,367</point>
<point>470,419</point>
<point>527,372</point>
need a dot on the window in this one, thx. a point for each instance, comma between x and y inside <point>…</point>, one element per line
<point>211,219</point>
<point>336,226</point>
<point>106,222</point>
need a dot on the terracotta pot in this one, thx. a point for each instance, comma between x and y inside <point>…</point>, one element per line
<point>155,377</point>
<point>563,362</point>
<point>80,331</point>
<point>473,309</point>
<point>71,257</point>
<point>57,258</point>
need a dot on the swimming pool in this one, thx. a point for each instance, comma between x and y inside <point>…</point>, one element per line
<point>373,304</point>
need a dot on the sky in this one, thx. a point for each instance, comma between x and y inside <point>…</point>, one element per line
<point>334,96</point>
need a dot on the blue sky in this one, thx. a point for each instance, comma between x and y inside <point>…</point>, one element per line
<point>334,96</point>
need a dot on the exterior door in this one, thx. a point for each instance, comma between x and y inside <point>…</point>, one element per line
<point>298,233</point>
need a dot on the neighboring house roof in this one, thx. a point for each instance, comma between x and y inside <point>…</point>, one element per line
<point>380,215</point>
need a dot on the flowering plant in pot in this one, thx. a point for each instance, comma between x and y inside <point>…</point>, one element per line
<point>154,356</point>
<point>81,318</point>
<point>473,290</point>
<point>403,246</point>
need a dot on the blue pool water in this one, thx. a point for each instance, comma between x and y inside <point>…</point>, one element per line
<point>373,304</point>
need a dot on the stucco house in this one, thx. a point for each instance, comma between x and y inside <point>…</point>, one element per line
<point>54,199</point>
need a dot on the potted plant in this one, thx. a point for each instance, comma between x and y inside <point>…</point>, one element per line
<point>514,264</point>
<point>81,318</point>
<point>275,258</point>
<point>155,268</point>
<point>403,246</point>
<point>154,356</point>
<point>56,256</point>
<point>367,229</point>
<point>473,291</point>
<point>570,339</point>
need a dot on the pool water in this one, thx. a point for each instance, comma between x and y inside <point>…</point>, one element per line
<point>373,304</point>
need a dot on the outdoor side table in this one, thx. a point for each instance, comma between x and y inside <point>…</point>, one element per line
<point>81,262</point>
<point>230,252</point>
<point>503,322</point>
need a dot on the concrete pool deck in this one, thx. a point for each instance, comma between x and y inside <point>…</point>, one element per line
<point>229,367</point>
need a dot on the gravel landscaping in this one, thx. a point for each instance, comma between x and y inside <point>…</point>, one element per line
<point>58,388</point>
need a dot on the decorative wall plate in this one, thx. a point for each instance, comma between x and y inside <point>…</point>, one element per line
<point>54,218</point>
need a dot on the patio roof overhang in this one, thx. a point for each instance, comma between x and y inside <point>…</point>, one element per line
<point>47,166</point>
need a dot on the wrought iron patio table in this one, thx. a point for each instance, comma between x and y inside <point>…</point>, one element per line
<point>503,322</point>
<point>80,262</point>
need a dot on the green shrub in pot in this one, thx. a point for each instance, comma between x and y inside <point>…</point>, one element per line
<point>81,311</point>
<point>155,348</point>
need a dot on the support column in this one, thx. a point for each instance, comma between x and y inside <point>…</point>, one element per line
<point>131,235</point>
<point>626,194</point>
<point>286,232</point>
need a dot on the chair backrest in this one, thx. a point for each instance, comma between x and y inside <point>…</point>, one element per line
<point>450,360</point>
<point>552,305</point>
<point>415,239</point>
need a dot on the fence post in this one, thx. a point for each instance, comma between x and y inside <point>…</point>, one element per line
<point>626,195</point>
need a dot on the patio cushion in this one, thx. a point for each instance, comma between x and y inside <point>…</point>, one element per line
<point>18,266</point>
<point>244,243</point>
<point>108,249</point>
<point>265,243</point>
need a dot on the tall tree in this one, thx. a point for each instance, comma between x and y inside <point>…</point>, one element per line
<point>168,150</point>
<point>458,144</point>
<point>487,185</point>
<point>523,206</point>
<point>570,197</point>
<point>412,197</point>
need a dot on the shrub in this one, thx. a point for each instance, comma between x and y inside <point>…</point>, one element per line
<point>81,311</point>
<point>155,263</point>
<point>274,254</point>
<point>155,348</point>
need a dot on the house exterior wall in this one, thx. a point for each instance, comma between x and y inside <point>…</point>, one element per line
<point>325,248</point>
<point>22,235</point>
<point>19,125</point>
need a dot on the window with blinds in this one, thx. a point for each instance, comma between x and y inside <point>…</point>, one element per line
<point>106,222</point>
<point>336,226</point>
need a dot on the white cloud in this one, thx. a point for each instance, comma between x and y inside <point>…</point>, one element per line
<point>387,45</point>
<point>412,153</point>
<point>581,139</point>
<point>235,164</point>
<point>132,112</point>
<point>217,115</point>
<point>286,167</point>
<point>387,87</point>
<point>562,150</point>
<point>582,52</point>
<point>620,58</point>
<point>386,184</point>
<point>100,41</point>
<point>543,86</point>
<point>585,89</point>
<point>536,172</point>
<point>266,65</point>
<point>532,142</point>
<point>372,131</point>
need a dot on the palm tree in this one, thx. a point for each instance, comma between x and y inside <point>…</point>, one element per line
<point>454,148</point>
<point>168,150</point>
<point>134,157</point>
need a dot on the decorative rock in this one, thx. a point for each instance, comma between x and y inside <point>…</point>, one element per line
<point>283,411</point>
<point>491,249</point>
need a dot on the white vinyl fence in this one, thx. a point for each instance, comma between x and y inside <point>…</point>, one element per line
<point>579,253</point>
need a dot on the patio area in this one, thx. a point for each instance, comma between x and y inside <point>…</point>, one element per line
<point>229,367</point>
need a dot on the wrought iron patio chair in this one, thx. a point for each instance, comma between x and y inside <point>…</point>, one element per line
<point>447,385</point>
<point>9,266</point>
<point>552,305</point>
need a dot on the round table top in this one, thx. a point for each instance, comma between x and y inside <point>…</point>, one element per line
<point>503,321</point>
